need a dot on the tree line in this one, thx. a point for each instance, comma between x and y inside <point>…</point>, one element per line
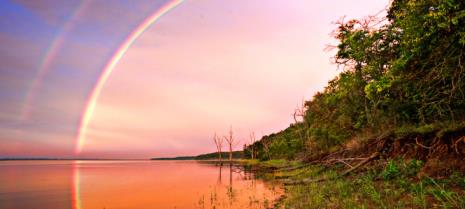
<point>404,71</point>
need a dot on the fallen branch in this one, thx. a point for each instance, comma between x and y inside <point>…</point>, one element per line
<point>310,180</point>
<point>345,159</point>
<point>372,156</point>
<point>343,162</point>
<point>332,154</point>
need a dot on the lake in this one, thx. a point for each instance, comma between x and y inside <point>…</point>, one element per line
<point>130,185</point>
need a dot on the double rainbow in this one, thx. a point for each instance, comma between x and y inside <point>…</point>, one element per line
<point>110,65</point>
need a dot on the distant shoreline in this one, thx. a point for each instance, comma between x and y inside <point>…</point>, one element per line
<point>174,158</point>
<point>208,156</point>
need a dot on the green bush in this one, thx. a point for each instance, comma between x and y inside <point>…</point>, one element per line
<point>391,171</point>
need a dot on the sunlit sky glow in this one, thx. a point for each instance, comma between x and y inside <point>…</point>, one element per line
<point>203,66</point>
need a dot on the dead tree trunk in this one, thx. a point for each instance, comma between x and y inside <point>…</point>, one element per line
<point>230,140</point>
<point>299,117</point>
<point>252,144</point>
<point>219,146</point>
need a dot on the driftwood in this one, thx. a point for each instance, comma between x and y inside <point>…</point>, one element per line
<point>353,168</point>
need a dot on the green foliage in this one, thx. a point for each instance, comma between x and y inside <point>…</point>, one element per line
<point>284,145</point>
<point>404,72</point>
<point>365,191</point>
<point>448,199</point>
<point>390,171</point>
<point>416,130</point>
<point>401,169</point>
<point>413,167</point>
<point>224,155</point>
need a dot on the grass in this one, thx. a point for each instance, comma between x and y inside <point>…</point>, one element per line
<point>269,163</point>
<point>394,185</point>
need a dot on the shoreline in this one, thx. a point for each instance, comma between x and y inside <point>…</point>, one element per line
<point>388,182</point>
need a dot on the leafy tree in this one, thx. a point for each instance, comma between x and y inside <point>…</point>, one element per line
<point>404,69</point>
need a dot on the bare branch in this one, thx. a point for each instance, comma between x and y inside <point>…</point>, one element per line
<point>219,145</point>
<point>252,144</point>
<point>230,140</point>
<point>299,112</point>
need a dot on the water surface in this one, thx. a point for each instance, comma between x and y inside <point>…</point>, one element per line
<point>130,185</point>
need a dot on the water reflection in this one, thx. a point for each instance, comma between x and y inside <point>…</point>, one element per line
<point>130,184</point>
<point>76,187</point>
<point>240,191</point>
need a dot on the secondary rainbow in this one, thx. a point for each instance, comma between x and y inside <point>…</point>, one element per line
<point>108,69</point>
<point>47,61</point>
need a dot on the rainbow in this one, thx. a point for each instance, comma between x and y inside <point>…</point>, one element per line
<point>110,65</point>
<point>47,60</point>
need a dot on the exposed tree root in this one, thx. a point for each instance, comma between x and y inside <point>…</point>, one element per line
<point>421,145</point>
<point>462,139</point>
<point>442,152</point>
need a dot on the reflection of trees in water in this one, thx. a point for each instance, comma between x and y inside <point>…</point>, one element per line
<point>244,193</point>
<point>230,191</point>
<point>219,175</point>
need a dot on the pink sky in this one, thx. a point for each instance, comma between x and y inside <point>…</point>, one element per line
<point>210,64</point>
<point>202,67</point>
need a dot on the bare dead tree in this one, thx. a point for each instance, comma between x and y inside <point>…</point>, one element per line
<point>230,140</point>
<point>252,144</point>
<point>219,145</point>
<point>299,112</point>
<point>299,117</point>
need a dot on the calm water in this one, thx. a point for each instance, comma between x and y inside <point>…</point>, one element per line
<point>130,184</point>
